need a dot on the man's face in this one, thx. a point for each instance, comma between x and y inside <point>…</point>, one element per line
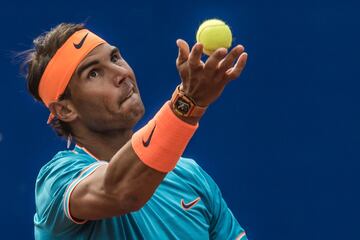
<point>104,91</point>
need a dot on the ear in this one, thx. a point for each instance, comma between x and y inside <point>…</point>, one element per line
<point>64,110</point>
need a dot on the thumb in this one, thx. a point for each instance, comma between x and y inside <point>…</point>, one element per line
<point>184,51</point>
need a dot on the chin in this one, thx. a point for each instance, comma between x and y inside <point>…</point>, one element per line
<point>133,109</point>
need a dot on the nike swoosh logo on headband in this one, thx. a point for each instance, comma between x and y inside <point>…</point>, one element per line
<point>79,45</point>
<point>147,142</point>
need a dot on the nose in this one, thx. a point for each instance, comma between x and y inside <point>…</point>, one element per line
<point>119,74</point>
<point>118,80</point>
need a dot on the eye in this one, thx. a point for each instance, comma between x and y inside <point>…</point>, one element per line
<point>115,58</point>
<point>93,74</point>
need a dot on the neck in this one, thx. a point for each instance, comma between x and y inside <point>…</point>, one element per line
<point>103,145</point>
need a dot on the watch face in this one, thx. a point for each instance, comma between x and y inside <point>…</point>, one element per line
<point>182,105</point>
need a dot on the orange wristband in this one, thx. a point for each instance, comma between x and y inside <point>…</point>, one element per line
<point>160,143</point>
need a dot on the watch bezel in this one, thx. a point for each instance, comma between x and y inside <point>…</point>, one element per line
<point>186,100</point>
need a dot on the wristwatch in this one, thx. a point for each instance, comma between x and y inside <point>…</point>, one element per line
<point>184,105</point>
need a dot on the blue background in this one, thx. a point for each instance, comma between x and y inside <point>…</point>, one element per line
<point>283,140</point>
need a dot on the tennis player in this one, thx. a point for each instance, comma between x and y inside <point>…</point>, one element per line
<point>116,183</point>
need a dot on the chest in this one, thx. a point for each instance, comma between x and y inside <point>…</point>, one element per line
<point>178,208</point>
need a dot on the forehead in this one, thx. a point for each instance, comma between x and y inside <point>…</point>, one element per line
<point>98,52</point>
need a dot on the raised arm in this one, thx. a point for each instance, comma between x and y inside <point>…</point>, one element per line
<point>126,183</point>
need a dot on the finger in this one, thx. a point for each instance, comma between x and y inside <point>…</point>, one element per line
<point>235,71</point>
<point>183,54</point>
<point>228,61</point>
<point>195,55</point>
<point>211,65</point>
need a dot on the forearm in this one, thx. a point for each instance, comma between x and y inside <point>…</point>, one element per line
<point>133,178</point>
<point>128,178</point>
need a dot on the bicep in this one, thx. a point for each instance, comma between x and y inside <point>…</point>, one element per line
<point>121,186</point>
<point>87,199</point>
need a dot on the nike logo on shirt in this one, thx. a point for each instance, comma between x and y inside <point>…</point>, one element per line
<point>187,206</point>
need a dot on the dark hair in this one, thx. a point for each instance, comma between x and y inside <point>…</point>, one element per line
<point>36,60</point>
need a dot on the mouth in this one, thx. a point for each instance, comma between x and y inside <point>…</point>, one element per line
<point>129,89</point>
<point>129,95</point>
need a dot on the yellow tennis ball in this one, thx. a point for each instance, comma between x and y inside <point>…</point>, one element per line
<point>214,34</point>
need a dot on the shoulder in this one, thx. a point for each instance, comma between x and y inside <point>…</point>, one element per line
<point>64,162</point>
<point>54,177</point>
<point>195,172</point>
<point>189,169</point>
<point>52,182</point>
<point>187,163</point>
<point>188,166</point>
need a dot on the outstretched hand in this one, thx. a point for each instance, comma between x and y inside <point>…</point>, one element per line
<point>204,82</point>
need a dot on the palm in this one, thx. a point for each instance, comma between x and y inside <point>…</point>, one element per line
<point>204,82</point>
